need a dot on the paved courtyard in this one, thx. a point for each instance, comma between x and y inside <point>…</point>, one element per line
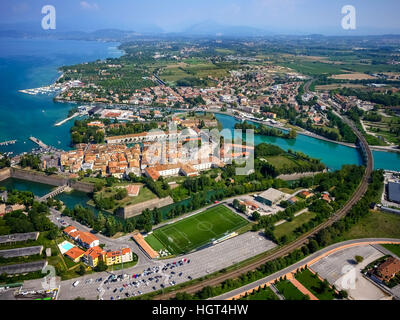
<point>341,270</point>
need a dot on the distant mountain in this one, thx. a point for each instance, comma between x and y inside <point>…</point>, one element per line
<point>22,31</point>
<point>212,28</point>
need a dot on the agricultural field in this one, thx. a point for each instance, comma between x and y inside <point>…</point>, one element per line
<point>346,67</point>
<point>198,230</point>
<point>388,128</point>
<point>353,76</point>
<point>334,86</point>
<point>192,69</point>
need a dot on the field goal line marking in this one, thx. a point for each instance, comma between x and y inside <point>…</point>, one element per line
<point>167,246</point>
<point>172,242</point>
<point>235,225</point>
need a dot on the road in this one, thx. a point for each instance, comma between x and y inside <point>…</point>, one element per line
<point>203,262</point>
<point>306,261</point>
<point>358,194</point>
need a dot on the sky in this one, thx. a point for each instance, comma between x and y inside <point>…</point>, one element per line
<point>275,16</point>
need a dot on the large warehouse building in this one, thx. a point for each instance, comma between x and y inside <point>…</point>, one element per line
<point>270,197</point>
<point>394,191</point>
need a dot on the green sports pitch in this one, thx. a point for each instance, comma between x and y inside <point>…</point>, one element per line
<point>199,230</point>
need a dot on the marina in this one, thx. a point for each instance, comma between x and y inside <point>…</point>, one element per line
<point>9,142</point>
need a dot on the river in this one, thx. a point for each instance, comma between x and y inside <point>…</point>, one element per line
<point>33,63</point>
<point>333,155</point>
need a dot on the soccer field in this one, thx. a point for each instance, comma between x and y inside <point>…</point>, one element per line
<point>198,230</point>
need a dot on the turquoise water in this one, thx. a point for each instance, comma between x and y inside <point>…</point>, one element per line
<point>67,246</point>
<point>33,63</point>
<point>333,155</point>
<point>73,198</point>
<point>38,189</point>
<point>26,64</point>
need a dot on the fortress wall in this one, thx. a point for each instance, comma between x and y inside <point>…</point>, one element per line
<point>35,176</point>
<point>136,209</point>
<point>5,173</point>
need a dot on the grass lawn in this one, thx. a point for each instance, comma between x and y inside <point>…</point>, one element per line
<point>264,294</point>
<point>126,265</point>
<point>289,291</point>
<point>93,180</point>
<point>315,285</point>
<point>154,242</point>
<point>284,162</point>
<point>288,227</point>
<point>376,224</point>
<point>145,194</point>
<point>198,230</point>
<point>395,248</point>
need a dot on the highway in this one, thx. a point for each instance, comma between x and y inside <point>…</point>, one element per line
<point>358,194</point>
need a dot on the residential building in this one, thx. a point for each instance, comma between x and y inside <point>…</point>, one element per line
<point>75,254</point>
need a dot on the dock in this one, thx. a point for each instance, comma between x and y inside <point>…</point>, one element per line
<point>67,119</point>
<point>39,142</point>
<point>6,143</point>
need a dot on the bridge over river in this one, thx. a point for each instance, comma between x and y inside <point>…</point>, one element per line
<point>53,193</point>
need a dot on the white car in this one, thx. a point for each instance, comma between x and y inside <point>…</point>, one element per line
<point>75,283</point>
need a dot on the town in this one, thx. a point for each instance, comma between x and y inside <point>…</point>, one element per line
<point>206,169</point>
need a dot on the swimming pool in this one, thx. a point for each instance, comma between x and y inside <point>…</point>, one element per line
<point>65,246</point>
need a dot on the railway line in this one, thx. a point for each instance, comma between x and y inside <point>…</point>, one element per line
<point>358,194</point>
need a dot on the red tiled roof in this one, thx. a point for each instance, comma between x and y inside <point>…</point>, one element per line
<point>74,253</point>
<point>69,229</point>
<point>87,237</point>
<point>95,252</point>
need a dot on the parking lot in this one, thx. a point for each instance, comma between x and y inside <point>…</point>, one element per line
<point>156,275</point>
<point>341,270</point>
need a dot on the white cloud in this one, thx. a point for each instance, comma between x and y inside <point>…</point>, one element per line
<point>89,6</point>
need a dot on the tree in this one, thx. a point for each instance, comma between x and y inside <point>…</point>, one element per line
<point>358,259</point>
<point>101,266</point>
<point>81,270</point>
<point>292,134</point>
<point>255,216</point>
<point>343,294</point>
<point>53,234</point>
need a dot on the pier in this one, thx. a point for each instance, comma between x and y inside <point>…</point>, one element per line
<point>67,119</point>
<point>6,143</point>
<point>39,142</point>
